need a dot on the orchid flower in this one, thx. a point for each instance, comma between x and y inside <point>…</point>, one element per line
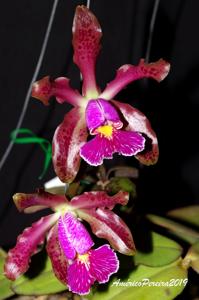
<point>69,245</point>
<point>118,127</point>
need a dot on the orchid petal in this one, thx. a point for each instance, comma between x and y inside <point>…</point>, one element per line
<point>86,42</point>
<point>99,111</point>
<point>99,148</point>
<point>42,90</point>
<point>100,199</point>
<point>79,278</point>
<point>45,88</point>
<point>67,141</point>
<point>30,203</point>
<point>138,122</point>
<point>128,143</point>
<point>106,224</point>
<point>129,73</point>
<point>18,258</point>
<point>103,263</point>
<point>56,254</point>
<point>94,151</point>
<point>73,236</point>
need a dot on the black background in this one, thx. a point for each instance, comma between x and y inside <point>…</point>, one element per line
<point>172,106</point>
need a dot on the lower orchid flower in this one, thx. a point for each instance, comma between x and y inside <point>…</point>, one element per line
<point>85,265</point>
<point>119,127</point>
<point>69,245</point>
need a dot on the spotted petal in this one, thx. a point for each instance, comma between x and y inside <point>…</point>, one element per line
<point>86,42</point>
<point>137,121</point>
<point>73,236</point>
<point>99,148</point>
<point>18,258</point>
<point>103,263</point>
<point>30,203</point>
<point>128,73</point>
<point>67,141</point>
<point>106,224</point>
<point>91,200</point>
<point>56,254</point>
<point>45,88</point>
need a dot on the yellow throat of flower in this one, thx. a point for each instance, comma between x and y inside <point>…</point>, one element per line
<point>84,258</point>
<point>106,131</point>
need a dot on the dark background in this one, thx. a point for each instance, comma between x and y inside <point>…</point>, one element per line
<point>172,106</point>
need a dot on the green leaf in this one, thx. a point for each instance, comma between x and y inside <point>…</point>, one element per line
<point>189,214</point>
<point>185,233</point>
<point>2,260</point>
<point>192,257</point>
<point>163,252</point>
<point>44,283</point>
<point>5,290</point>
<point>163,283</point>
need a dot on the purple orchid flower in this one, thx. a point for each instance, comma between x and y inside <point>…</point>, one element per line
<point>85,264</point>
<point>69,245</point>
<point>119,127</point>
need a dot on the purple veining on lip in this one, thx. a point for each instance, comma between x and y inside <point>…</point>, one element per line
<point>123,142</point>
<point>99,265</point>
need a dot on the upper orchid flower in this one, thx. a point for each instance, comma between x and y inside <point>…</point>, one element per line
<point>118,127</point>
<point>69,245</point>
